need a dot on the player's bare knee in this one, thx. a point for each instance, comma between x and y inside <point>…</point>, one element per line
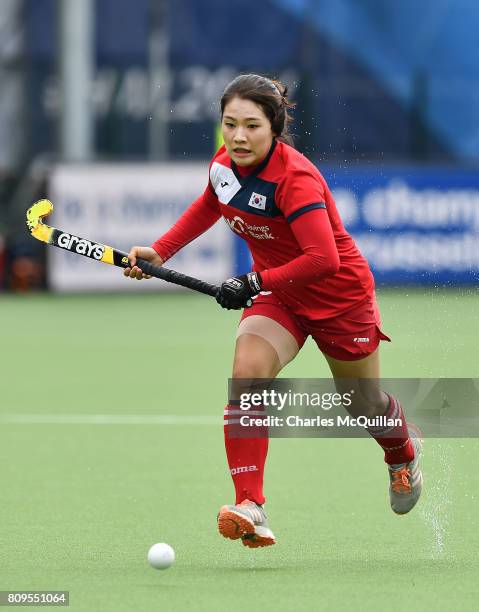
<point>255,357</point>
<point>251,367</point>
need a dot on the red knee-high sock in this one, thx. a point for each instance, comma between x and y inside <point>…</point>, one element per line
<point>394,440</point>
<point>246,456</point>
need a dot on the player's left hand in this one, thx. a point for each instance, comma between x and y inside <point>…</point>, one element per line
<point>236,293</point>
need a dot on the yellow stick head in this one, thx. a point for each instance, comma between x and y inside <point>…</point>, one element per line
<point>35,213</point>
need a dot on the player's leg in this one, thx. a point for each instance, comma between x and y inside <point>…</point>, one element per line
<point>255,357</point>
<point>263,347</point>
<point>362,375</point>
<point>350,343</point>
<point>401,451</point>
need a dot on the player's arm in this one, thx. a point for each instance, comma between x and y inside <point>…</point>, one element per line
<point>197,219</point>
<point>302,199</point>
<point>320,257</point>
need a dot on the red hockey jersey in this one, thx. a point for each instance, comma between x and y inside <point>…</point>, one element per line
<point>285,212</point>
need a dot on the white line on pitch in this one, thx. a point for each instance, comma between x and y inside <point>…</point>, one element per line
<point>108,419</point>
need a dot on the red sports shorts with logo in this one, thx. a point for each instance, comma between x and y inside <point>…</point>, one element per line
<point>352,335</point>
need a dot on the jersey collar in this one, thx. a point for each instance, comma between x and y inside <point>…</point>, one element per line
<point>244,179</point>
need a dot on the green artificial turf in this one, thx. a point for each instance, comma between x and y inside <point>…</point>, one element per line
<point>81,502</point>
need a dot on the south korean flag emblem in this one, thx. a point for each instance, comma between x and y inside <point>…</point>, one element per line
<point>257,201</point>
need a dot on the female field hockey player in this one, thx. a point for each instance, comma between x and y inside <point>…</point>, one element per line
<point>308,278</point>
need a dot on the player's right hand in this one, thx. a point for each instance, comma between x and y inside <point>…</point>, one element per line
<point>139,252</point>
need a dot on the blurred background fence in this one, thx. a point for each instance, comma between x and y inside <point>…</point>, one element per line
<point>111,107</point>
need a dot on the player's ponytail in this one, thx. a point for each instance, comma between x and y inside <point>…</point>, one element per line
<point>271,95</point>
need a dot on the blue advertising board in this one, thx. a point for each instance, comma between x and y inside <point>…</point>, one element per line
<point>415,225</point>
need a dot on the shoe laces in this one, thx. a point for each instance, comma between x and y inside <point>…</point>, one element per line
<point>400,480</point>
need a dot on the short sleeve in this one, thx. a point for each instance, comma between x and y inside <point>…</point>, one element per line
<point>299,192</point>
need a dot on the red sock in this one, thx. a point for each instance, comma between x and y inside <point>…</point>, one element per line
<point>246,456</point>
<point>394,440</point>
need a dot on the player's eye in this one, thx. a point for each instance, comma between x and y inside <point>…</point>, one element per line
<point>253,125</point>
<point>229,124</point>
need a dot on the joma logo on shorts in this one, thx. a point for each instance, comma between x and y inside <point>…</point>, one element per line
<point>361,339</point>
<point>80,246</point>
<point>244,468</point>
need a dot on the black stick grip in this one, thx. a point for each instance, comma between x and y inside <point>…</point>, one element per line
<point>171,276</point>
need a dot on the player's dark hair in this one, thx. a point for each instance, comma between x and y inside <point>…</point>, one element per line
<point>269,94</point>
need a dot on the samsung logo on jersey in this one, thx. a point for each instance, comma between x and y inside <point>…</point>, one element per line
<point>257,201</point>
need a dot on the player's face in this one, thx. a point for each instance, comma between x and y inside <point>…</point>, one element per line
<point>246,131</point>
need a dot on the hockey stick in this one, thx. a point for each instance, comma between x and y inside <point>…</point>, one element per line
<point>102,252</point>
